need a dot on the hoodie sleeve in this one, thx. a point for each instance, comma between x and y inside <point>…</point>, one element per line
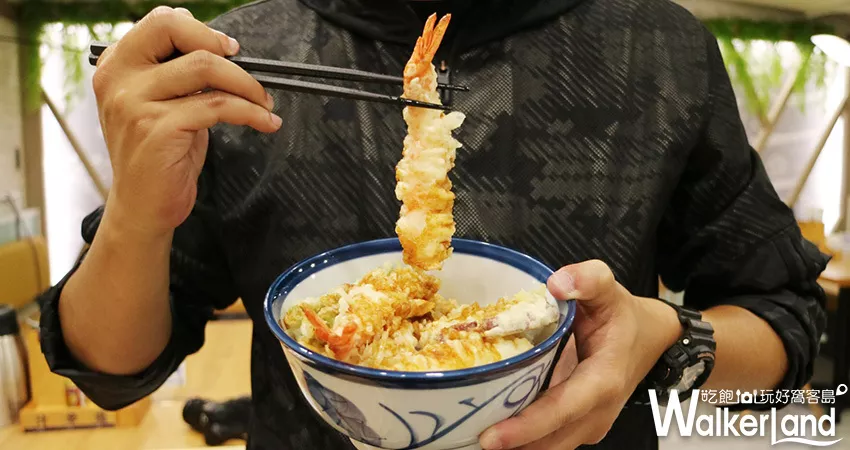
<point>199,283</point>
<point>728,239</point>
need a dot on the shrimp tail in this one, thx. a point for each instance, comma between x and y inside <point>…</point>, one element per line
<point>432,36</point>
<point>341,344</point>
<point>426,46</point>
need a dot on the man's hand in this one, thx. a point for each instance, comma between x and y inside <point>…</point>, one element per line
<point>155,114</point>
<point>617,339</point>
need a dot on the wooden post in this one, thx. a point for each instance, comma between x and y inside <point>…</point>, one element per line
<point>844,202</point>
<point>11,118</point>
<point>807,170</point>
<point>75,144</point>
<point>33,169</point>
<point>779,106</point>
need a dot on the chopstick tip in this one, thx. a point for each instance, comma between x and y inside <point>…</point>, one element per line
<point>419,104</point>
<point>452,87</point>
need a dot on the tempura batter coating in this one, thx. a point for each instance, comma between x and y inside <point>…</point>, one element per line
<point>426,225</point>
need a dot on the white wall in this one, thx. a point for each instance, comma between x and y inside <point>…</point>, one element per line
<point>69,193</point>
<point>793,141</point>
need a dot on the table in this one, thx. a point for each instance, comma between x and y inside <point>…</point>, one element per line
<point>219,371</point>
<point>234,311</point>
<point>838,273</point>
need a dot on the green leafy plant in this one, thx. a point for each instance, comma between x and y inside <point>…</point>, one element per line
<point>756,76</point>
<point>34,15</point>
<point>70,42</point>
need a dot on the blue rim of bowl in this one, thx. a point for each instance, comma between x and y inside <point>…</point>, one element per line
<point>283,285</point>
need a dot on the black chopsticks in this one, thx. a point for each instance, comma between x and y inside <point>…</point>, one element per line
<point>310,70</point>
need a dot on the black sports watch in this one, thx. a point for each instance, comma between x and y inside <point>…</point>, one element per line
<point>683,367</point>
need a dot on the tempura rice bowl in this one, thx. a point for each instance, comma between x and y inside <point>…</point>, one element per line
<point>381,409</point>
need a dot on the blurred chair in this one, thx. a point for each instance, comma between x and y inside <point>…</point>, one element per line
<point>24,271</point>
<point>219,422</point>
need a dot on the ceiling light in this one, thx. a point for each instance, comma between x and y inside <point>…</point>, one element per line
<point>834,47</point>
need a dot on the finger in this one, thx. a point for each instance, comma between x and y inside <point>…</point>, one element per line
<point>164,30</point>
<point>225,39</point>
<point>566,364</point>
<point>560,405</point>
<point>589,430</point>
<point>104,56</point>
<point>202,111</point>
<point>588,281</point>
<point>203,70</point>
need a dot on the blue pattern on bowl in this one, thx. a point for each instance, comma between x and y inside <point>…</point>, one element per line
<point>342,412</point>
<point>346,415</point>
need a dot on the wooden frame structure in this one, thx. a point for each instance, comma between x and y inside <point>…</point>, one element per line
<point>78,148</point>
<point>838,113</point>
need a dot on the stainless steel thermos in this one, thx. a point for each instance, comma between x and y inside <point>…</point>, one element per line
<point>14,385</point>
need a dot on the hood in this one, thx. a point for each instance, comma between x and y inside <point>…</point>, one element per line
<point>474,22</point>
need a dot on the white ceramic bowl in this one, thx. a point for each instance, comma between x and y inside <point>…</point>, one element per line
<point>381,409</point>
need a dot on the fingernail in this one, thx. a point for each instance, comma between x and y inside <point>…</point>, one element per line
<point>233,46</point>
<point>490,441</point>
<point>564,282</point>
<point>269,101</point>
<point>276,120</point>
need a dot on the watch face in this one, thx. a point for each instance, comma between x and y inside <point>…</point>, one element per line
<point>690,375</point>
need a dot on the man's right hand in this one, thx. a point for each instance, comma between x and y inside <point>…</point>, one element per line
<point>155,115</point>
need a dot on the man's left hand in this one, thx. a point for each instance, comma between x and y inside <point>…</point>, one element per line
<point>617,338</point>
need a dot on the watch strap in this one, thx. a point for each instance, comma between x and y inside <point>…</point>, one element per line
<point>695,344</point>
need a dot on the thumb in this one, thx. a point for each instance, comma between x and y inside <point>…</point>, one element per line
<point>590,282</point>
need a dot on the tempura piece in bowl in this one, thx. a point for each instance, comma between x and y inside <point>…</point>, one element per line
<point>395,319</point>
